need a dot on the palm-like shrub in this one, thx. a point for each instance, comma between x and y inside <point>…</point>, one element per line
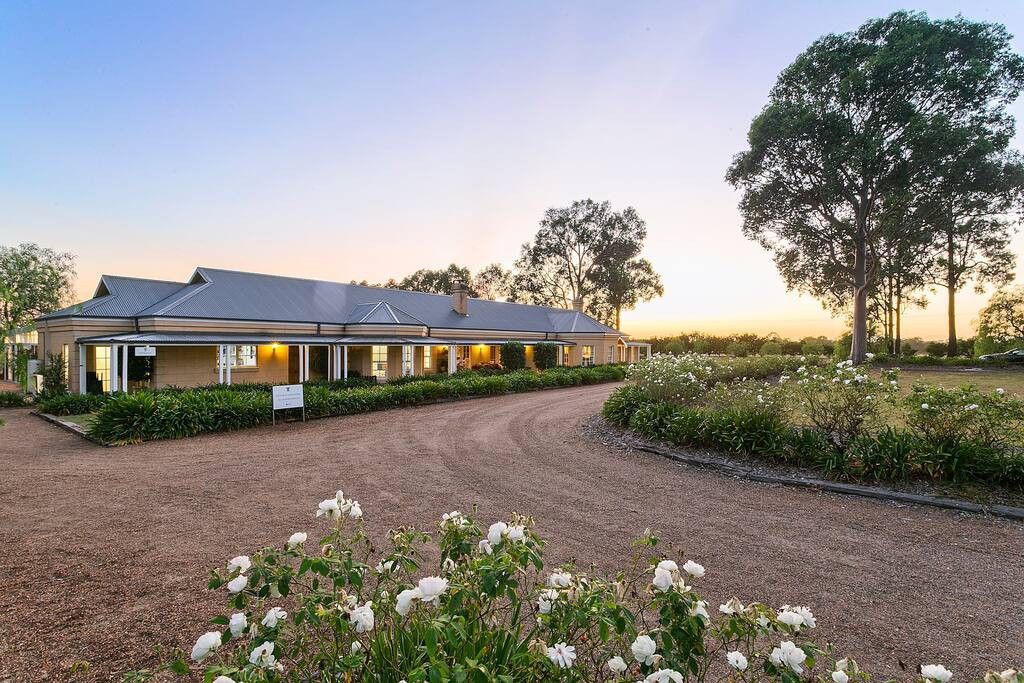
<point>545,355</point>
<point>334,611</point>
<point>513,355</point>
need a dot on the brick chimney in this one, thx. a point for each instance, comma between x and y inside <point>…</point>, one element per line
<point>577,304</point>
<point>460,298</point>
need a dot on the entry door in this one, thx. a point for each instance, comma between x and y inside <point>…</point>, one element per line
<point>293,365</point>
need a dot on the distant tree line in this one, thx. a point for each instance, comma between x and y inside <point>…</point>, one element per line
<point>881,168</point>
<point>584,254</point>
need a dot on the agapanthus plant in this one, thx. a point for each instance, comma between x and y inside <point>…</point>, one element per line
<point>333,610</point>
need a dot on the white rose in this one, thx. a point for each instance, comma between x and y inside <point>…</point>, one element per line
<point>485,547</point>
<point>664,676</point>
<point>238,623</point>
<point>329,508</point>
<point>662,580</point>
<point>516,534</point>
<point>668,565</point>
<point>643,649</point>
<point>223,679</point>
<point>737,660</point>
<point>274,615</point>
<point>431,588</point>
<point>362,617</point>
<point>495,532</point>
<point>206,644</point>
<point>238,584</point>
<point>546,598</point>
<point>1001,391</point>
<point>791,618</point>
<point>700,609</point>
<point>562,655</point>
<point>403,603</point>
<point>239,564</point>
<point>298,538</point>
<point>355,647</point>
<point>559,579</point>
<point>732,606</point>
<point>839,676</point>
<point>617,664</point>
<point>693,569</point>
<point>383,566</point>
<point>263,655</point>
<point>936,672</point>
<point>354,511</point>
<point>808,617</point>
<point>788,654</point>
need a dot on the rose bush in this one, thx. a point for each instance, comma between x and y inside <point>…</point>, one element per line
<point>844,401</point>
<point>488,611</point>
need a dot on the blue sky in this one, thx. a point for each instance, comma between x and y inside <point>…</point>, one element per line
<point>350,141</point>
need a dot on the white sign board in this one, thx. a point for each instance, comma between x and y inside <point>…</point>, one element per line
<point>145,351</point>
<point>288,396</point>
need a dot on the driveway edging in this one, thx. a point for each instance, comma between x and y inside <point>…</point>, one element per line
<point>70,427</point>
<point>877,492</point>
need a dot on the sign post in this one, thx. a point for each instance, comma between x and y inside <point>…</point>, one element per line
<point>287,396</point>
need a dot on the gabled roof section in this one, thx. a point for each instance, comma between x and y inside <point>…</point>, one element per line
<point>381,313</point>
<point>216,294</point>
<point>119,297</point>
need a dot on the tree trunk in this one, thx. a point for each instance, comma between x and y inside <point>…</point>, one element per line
<point>951,295</point>
<point>859,346</point>
<point>618,318</point>
<point>898,343</point>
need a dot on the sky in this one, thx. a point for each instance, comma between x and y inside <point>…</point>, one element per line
<point>360,141</point>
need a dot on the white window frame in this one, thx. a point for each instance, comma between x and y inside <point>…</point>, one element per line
<point>379,368</point>
<point>587,355</point>
<point>102,372</point>
<point>237,358</point>
<point>65,351</point>
<point>426,357</point>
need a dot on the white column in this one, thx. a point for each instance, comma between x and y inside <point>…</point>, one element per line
<point>229,352</point>
<point>453,361</point>
<point>81,368</point>
<point>220,364</point>
<point>305,362</point>
<point>112,371</point>
<point>344,352</point>
<point>124,368</point>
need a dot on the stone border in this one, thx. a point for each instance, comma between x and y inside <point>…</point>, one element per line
<point>748,473</point>
<point>72,427</point>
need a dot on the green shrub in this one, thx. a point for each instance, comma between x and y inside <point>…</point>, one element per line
<point>54,371</point>
<point>947,418</point>
<point>72,404</point>
<point>844,402</point>
<point>772,348</point>
<point>737,349</point>
<point>513,355</point>
<point>12,399</point>
<point>545,355</point>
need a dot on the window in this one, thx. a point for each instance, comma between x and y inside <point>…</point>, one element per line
<point>407,366</point>
<point>426,357</point>
<point>611,354</point>
<point>245,356</point>
<point>588,356</point>
<point>495,353</point>
<point>379,362</point>
<point>65,354</point>
<point>102,366</point>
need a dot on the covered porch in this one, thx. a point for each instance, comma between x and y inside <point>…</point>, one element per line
<point>130,362</point>
<point>633,351</point>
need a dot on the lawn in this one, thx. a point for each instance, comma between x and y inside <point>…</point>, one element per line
<point>1010,379</point>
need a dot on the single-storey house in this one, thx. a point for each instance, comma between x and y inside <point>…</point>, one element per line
<point>229,326</point>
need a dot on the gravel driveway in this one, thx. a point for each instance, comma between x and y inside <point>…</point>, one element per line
<point>106,551</point>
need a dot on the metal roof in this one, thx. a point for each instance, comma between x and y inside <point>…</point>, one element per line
<point>232,295</point>
<point>209,338</point>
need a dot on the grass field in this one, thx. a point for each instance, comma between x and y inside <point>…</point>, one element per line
<point>1010,379</point>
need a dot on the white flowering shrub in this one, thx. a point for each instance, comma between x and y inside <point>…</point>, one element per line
<point>333,610</point>
<point>947,417</point>
<point>844,401</point>
<point>665,377</point>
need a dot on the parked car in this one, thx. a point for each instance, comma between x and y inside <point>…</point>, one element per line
<point>1011,356</point>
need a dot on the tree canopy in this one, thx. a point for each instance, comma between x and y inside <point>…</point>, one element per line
<point>587,252</point>
<point>33,280</point>
<point>859,119</point>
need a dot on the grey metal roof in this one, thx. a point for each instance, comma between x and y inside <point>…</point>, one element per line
<point>119,297</point>
<point>234,295</point>
<point>208,338</point>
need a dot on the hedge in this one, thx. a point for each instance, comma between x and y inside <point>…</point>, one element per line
<point>890,454</point>
<point>72,404</point>
<point>12,399</point>
<point>147,415</point>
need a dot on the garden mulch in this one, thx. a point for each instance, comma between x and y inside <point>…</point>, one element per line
<point>106,551</point>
